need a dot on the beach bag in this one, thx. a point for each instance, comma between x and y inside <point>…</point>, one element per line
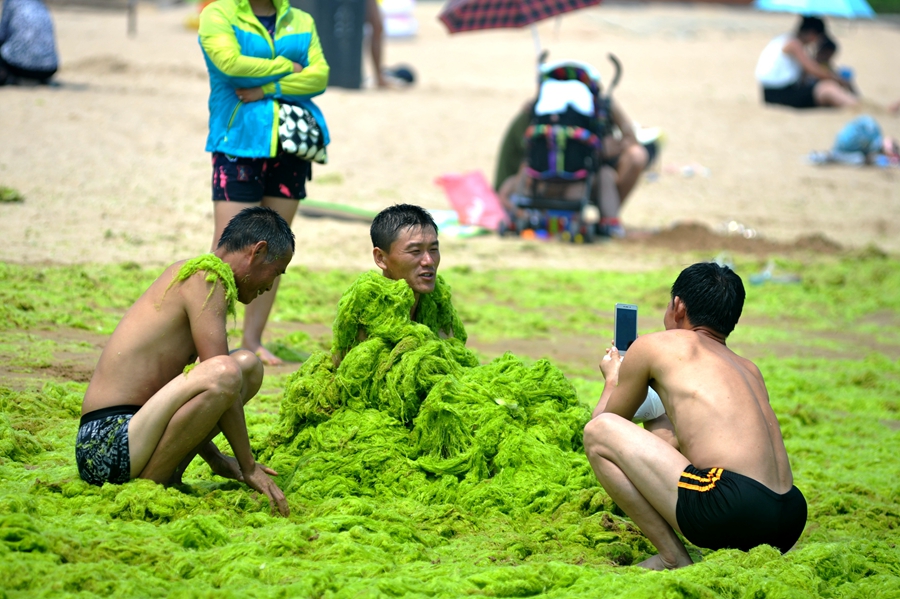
<point>300,134</point>
<point>473,199</point>
<point>564,138</point>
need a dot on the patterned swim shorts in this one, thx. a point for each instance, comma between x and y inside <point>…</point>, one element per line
<point>101,449</point>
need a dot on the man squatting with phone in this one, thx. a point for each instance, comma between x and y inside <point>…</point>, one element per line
<point>713,467</point>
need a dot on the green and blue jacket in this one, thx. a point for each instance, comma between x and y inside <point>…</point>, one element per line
<point>240,53</point>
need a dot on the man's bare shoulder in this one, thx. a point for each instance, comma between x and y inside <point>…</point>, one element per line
<point>665,341</point>
<point>200,289</point>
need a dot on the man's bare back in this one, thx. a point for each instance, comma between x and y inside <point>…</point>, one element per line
<point>717,402</point>
<point>713,467</point>
<point>154,342</point>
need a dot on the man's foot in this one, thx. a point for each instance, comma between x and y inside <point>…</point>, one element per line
<point>267,357</point>
<point>384,82</point>
<point>658,563</point>
<point>176,479</point>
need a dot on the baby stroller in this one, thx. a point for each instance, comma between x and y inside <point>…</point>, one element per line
<point>563,157</point>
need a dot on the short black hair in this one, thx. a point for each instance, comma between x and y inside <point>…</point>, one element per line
<point>255,224</point>
<point>713,296</point>
<point>811,24</point>
<point>387,225</point>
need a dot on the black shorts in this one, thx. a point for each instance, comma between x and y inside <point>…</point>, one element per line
<point>718,509</point>
<point>236,179</point>
<point>101,448</point>
<point>798,95</point>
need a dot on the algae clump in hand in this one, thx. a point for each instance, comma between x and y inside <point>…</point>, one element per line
<point>406,409</point>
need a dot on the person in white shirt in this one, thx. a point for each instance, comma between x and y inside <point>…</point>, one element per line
<point>784,62</point>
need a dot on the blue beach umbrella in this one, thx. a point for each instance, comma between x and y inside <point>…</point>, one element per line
<point>848,9</point>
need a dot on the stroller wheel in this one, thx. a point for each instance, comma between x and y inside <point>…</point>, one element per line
<point>572,230</point>
<point>589,232</point>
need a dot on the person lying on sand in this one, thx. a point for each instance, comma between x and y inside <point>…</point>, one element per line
<point>724,479</point>
<point>151,406</point>
<point>861,141</point>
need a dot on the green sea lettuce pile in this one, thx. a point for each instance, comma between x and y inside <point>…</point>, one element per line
<point>401,407</point>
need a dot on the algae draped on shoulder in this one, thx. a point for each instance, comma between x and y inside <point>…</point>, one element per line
<point>409,410</point>
<point>216,270</point>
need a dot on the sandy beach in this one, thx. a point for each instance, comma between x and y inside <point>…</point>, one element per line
<point>112,164</point>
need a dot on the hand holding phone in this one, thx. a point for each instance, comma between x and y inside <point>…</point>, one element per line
<point>625,327</point>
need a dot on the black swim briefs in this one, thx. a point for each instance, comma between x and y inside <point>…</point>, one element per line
<point>101,448</point>
<point>718,509</point>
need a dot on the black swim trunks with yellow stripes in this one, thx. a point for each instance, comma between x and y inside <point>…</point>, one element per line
<point>718,509</point>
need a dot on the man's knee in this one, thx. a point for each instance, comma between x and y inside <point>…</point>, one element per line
<point>597,431</point>
<point>226,378</point>
<point>251,365</point>
<point>635,157</point>
<point>251,370</point>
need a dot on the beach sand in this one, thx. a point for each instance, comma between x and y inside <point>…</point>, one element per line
<point>113,169</point>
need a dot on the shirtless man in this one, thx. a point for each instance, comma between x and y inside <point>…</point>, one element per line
<point>723,478</point>
<point>149,409</point>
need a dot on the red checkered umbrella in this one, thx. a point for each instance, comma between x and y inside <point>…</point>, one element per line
<point>471,15</point>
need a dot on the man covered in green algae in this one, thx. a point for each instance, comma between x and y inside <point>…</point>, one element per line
<point>150,407</point>
<point>405,248</point>
<point>399,397</point>
<point>723,480</point>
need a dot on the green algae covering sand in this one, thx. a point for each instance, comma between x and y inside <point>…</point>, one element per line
<point>379,510</point>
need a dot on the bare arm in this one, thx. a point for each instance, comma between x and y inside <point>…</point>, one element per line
<point>794,49</point>
<point>207,314</point>
<point>626,381</point>
<point>622,121</point>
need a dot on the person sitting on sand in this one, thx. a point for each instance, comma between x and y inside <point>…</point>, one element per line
<point>721,477</point>
<point>27,42</point>
<point>166,385</point>
<point>783,63</point>
<point>624,159</point>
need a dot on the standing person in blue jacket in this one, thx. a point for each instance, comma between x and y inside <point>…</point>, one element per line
<point>259,53</point>
<point>27,42</point>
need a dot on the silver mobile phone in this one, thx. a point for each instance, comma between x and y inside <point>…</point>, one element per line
<point>625,326</point>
